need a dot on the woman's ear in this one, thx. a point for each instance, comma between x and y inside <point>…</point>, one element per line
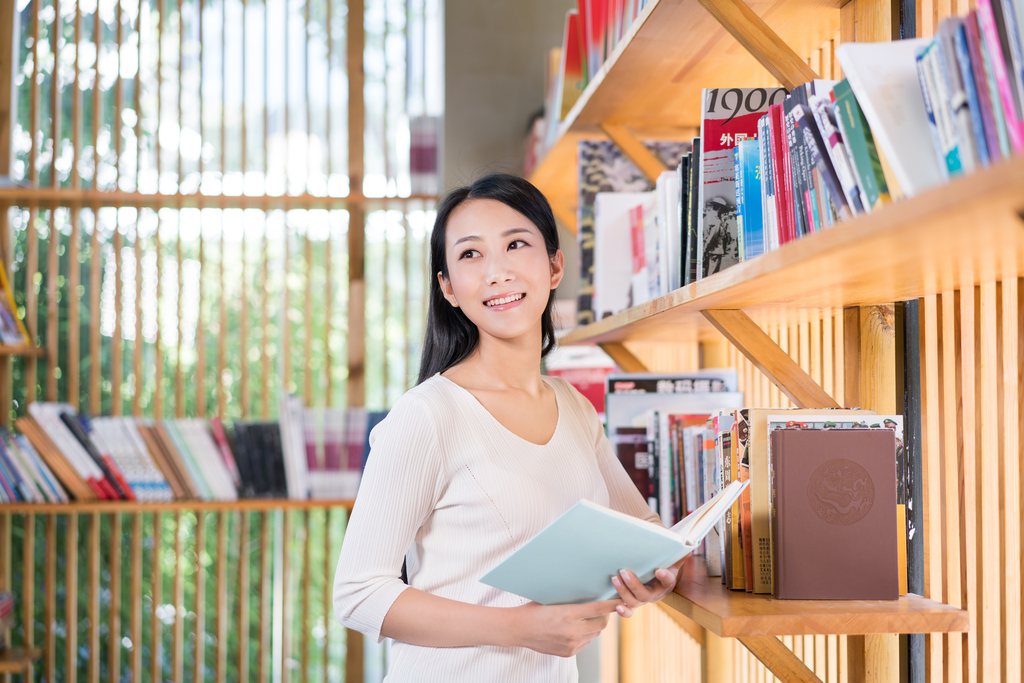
<point>446,290</point>
<point>557,268</point>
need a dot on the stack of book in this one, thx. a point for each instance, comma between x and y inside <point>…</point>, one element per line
<point>681,458</point>
<point>60,455</point>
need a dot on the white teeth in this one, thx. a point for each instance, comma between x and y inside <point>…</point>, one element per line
<point>505,300</point>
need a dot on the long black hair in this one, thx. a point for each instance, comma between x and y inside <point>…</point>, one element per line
<point>451,336</point>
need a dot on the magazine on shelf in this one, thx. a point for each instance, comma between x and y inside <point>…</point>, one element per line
<point>728,115</point>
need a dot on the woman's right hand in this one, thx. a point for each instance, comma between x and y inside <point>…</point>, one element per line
<point>561,630</point>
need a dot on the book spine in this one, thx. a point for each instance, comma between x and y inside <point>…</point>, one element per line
<point>739,581</point>
<point>739,202</point>
<point>967,77</point>
<point>1011,35</point>
<point>990,34</point>
<point>821,161</point>
<point>653,466</point>
<point>773,478</point>
<point>783,179</point>
<point>765,189</point>
<point>988,98</point>
<point>864,155</point>
<point>692,217</point>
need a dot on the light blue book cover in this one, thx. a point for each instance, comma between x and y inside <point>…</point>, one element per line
<point>573,559</point>
<point>749,168</point>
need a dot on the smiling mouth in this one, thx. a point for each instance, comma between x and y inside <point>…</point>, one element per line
<point>504,300</point>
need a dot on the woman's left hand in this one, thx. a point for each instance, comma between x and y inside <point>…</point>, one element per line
<point>635,594</point>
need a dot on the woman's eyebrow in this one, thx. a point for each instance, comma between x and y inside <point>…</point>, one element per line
<point>476,238</point>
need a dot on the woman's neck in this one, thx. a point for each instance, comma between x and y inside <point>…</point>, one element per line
<point>498,364</point>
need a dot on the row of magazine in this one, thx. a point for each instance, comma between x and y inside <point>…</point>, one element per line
<point>688,448</point>
<point>58,455</point>
<point>592,30</point>
<point>771,166</point>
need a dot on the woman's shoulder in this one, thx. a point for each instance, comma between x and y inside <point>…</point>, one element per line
<point>574,400</point>
<point>431,399</point>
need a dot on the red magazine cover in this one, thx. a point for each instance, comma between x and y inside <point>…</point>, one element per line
<point>583,10</point>
<point>728,116</point>
<point>783,176</point>
<point>572,66</point>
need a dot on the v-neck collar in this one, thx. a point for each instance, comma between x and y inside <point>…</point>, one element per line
<point>473,399</point>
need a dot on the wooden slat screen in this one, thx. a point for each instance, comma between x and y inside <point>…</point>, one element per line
<point>181,247</point>
<point>102,572</point>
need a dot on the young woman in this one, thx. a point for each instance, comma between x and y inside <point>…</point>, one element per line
<point>477,459</point>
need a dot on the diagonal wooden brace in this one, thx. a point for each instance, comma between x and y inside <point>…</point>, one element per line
<point>760,41</point>
<point>645,160</point>
<point>623,357</point>
<point>765,354</point>
<point>779,659</point>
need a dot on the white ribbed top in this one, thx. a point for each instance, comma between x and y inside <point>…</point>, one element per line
<point>452,490</point>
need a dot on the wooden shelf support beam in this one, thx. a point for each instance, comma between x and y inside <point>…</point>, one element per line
<point>623,357</point>
<point>765,354</point>
<point>692,628</point>
<point>760,41</point>
<point>645,160</point>
<point>779,659</point>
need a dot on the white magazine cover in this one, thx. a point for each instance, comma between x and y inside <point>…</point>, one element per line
<point>613,265</point>
<point>883,77</point>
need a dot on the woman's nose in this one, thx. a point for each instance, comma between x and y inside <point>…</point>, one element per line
<point>499,271</point>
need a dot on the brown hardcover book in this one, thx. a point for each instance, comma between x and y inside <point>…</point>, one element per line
<point>834,514</point>
<point>156,450</point>
<point>174,460</point>
<point>55,460</point>
<point>631,449</point>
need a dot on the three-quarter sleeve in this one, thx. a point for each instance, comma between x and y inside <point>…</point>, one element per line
<point>400,487</point>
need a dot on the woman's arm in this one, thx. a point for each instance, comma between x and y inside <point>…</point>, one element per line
<point>420,618</point>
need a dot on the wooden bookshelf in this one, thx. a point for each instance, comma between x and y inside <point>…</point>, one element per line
<point>111,506</point>
<point>952,236</point>
<point>63,197</point>
<point>652,80</point>
<point>737,614</point>
<point>15,660</point>
<point>22,351</point>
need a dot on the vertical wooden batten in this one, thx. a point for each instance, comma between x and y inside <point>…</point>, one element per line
<point>114,613</point>
<point>357,216</point>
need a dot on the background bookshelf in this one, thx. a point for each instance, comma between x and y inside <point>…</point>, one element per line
<point>192,192</point>
<point>652,80</point>
<point>914,309</point>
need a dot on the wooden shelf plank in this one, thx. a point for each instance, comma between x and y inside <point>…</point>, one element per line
<point>49,196</point>
<point>14,660</point>
<point>736,614</point>
<point>653,78</point>
<point>958,235</point>
<point>22,351</point>
<point>245,504</point>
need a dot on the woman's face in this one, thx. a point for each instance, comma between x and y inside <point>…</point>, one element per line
<point>499,271</point>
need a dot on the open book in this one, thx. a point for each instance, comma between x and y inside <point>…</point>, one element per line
<point>574,558</point>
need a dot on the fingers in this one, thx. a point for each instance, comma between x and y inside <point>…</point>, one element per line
<point>601,607</point>
<point>633,592</point>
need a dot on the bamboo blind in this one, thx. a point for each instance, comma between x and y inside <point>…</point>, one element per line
<point>203,180</point>
<point>159,595</point>
<point>190,236</point>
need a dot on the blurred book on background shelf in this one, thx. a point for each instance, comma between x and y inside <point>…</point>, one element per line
<point>59,455</point>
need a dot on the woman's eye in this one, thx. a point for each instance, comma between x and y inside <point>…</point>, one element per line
<point>468,253</point>
<point>517,244</point>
